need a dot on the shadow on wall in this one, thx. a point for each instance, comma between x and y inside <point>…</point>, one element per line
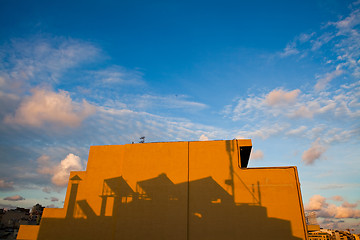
<point>159,209</point>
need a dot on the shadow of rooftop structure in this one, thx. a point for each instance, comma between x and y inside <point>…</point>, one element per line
<point>176,191</point>
<point>156,211</point>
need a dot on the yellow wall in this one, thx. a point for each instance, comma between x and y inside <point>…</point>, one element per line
<point>28,232</point>
<point>177,190</point>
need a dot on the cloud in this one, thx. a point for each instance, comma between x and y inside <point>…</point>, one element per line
<point>51,206</point>
<point>340,39</point>
<point>48,107</point>
<point>7,206</point>
<point>4,185</point>
<point>296,131</point>
<point>323,209</point>
<point>313,153</point>
<point>280,97</point>
<point>62,171</point>
<point>347,24</point>
<point>45,166</point>
<point>304,37</point>
<point>118,75</point>
<point>46,190</point>
<point>14,198</point>
<point>313,107</point>
<point>316,202</point>
<point>333,211</point>
<point>54,199</point>
<point>332,186</point>
<point>258,154</point>
<point>134,124</point>
<point>37,59</point>
<point>263,132</point>
<point>289,50</point>
<point>203,138</point>
<point>165,102</point>
<point>337,198</point>
<point>323,81</point>
<point>349,205</point>
<point>294,104</point>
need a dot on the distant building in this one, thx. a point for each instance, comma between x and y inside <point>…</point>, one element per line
<point>311,218</point>
<point>317,233</point>
<point>35,214</point>
<point>13,218</point>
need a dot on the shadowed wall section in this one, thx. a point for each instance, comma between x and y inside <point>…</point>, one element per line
<point>176,191</point>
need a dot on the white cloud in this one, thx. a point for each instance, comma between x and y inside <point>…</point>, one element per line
<point>313,107</point>
<point>118,75</point>
<point>133,124</point>
<point>258,154</point>
<point>294,104</point>
<point>263,132</point>
<point>341,38</point>
<point>39,59</point>
<point>313,153</point>
<point>203,137</point>
<point>347,24</point>
<point>296,131</point>
<point>62,171</point>
<point>48,107</point>
<point>289,50</point>
<point>304,37</point>
<point>323,81</point>
<point>321,40</point>
<point>14,198</point>
<point>170,102</point>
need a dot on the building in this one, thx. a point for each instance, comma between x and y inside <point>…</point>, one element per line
<point>13,217</point>
<point>176,191</point>
<point>311,218</point>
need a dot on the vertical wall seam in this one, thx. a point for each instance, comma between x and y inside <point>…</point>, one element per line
<point>188,196</point>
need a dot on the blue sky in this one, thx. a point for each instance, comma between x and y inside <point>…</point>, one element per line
<point>284,73</point>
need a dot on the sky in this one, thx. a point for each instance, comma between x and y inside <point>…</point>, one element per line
<point>285,74</point>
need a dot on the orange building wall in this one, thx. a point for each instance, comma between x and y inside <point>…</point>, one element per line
<point>176,190</point>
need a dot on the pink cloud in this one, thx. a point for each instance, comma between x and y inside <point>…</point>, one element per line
<point>54,199</point>
<point>258,154</point>
<point>48,107</point>
<point>316,202</point>
<point>337,198</point>
<point>313,153</point>
<point>4,185</point>
<point>323,209</point>
<point>281,97</point>
<point>14,198</point>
